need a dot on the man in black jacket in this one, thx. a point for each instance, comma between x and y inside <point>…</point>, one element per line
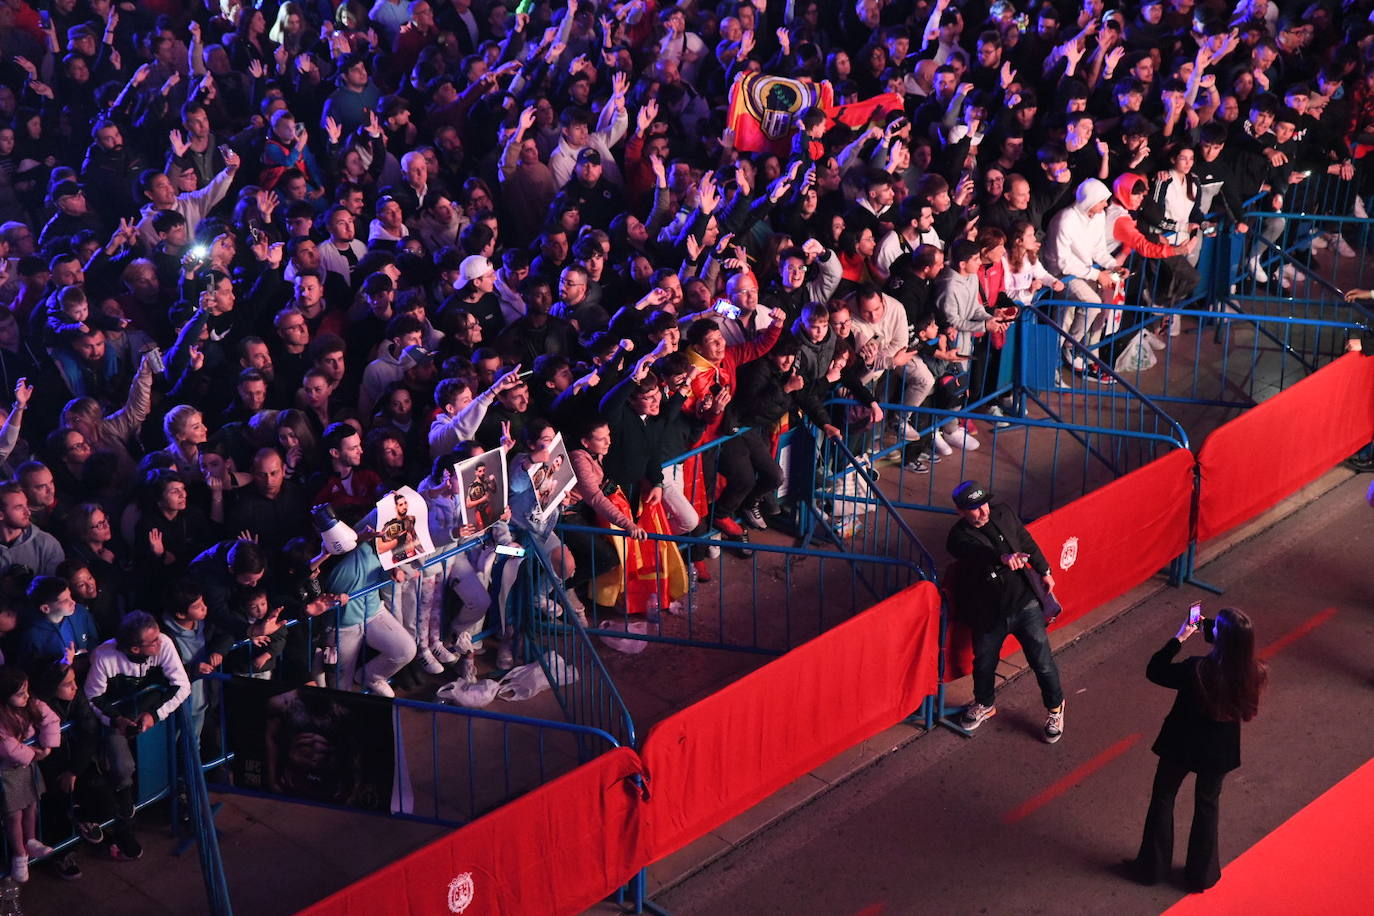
<point>998,597</point>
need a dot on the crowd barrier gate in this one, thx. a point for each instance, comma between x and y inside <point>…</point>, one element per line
<point>569,844</point>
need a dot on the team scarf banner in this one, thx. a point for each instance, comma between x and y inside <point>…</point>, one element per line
<point>764,109</point>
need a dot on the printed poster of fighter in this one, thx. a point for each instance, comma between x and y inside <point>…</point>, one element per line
<point>316,744</point>
<point>482,485</point>
<point>402,528</point>
<point>553,478</point>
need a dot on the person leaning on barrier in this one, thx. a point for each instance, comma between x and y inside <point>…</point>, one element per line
<point>996,595</point>
<point>138,656</point>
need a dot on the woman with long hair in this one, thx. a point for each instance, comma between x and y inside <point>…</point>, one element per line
<point>1216,693</point>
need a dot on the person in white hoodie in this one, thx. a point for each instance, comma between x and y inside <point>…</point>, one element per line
<point>1078,249</point>
<point>194,205</point>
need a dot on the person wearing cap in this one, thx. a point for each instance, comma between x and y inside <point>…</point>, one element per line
<point>578,135</point>
<point>1001,574</point>
<point>598,200</point>
<point>72,214</point>
<point>475,288</point>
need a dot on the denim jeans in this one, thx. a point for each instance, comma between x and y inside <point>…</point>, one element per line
<point>1028,626</point>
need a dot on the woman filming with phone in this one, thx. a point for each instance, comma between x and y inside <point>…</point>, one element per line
<point>1216,693</point>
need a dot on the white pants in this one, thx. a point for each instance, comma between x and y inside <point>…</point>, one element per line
<point>382,632</point>
<point>1083,322</point>
<point>682,515</point>
<point>420,605</point>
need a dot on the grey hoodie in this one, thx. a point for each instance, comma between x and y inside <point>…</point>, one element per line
<point>36,549</point>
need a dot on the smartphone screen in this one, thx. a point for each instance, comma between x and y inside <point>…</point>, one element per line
<point>1195,614</point>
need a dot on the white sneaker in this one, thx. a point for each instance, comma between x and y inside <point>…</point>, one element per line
<point>19,869</point>
<point>380,687</point>
<point>429,662</point>
<point>1343,248</point>
<point>1261,276</point>
<point>961,439</point>
<point>1359,212</point>
<point>1176,326</point>
<point>1320,241</point>
<point>442,654</point>
<point>906,431</point>
<point>1288,276</point>
<point>941,446</point>
<point>36,849</point>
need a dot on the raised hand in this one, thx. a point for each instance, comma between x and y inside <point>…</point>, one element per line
<point>22,392</point>
<point>646,116</point>
<point>784,40</point>
<point>333,131</point>
<point>255,69</point>
<point>179,142</point>
<point>660,171</point>
<point>620,84</point>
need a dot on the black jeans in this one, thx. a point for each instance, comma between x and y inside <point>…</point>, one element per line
<point>1028,626</point>
<point>1203,866</point>
<point>746,462</point>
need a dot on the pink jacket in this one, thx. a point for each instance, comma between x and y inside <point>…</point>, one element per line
<point>14,753</point>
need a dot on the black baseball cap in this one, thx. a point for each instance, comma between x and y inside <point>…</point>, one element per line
<point>970,495</point>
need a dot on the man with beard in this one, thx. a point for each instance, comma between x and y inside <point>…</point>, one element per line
<point>271,505</point>
<point>341,253</point>
<point>110,170</point>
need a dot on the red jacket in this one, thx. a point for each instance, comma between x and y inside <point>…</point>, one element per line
<point>723,374</point>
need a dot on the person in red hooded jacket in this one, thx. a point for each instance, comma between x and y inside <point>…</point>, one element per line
<point>1173,279</point>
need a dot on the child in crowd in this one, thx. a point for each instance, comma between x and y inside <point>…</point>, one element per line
<point>23,717</point>
<point>263,628</point>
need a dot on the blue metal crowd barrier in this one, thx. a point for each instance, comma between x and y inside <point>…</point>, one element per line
<point>768,602</point>
<point>458,763</point>
<point>167,766</point>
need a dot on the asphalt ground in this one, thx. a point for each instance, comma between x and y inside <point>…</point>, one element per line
<point>1003,823</point>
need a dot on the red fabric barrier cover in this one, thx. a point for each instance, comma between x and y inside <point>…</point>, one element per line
<point>1281,445</point>
<point>724,754</point>
<point>560,849</point>
<point>1102,545</point>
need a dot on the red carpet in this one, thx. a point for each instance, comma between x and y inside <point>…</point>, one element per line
<point>1318,861</point>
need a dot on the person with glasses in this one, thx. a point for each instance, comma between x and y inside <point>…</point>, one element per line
<point>138,656</point>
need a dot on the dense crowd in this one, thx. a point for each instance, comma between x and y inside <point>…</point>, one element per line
<point>259,259</point>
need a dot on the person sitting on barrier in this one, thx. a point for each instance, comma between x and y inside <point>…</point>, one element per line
<point>1002,575</point>
<point>1175,277</point>
<point>1077,250</point>
<point>769,390</point>
<point>23,717</point>
<point>138,657</point>
<point>713,388</point>
<point>935,346</point>
<point>886,319</point>
<point>573,557</point>
<point>364,620</point>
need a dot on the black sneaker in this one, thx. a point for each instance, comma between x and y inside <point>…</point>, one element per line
<point>753,516</point>
<point>66,867</point>
<point>739,546</point>
<point>128,851</point>
<point>91,832</point>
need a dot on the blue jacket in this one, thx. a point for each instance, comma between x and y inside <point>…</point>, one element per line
<point>41,638</point>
